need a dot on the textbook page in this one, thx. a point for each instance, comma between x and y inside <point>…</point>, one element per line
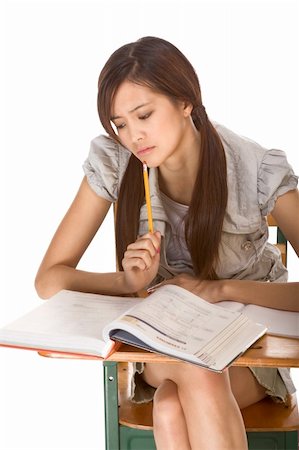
<point>176,322</point>
<point>278,322</point>
<point>68,322</point>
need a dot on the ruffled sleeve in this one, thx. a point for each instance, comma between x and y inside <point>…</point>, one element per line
<point>105,167</point>
<point>275,178</point>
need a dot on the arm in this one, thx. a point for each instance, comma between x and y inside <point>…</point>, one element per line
<point>286,214</point>
<point>276,295</point>
<point>284,296</point>
<point>58,268</point>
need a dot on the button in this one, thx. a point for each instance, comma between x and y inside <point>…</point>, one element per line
<point>246,245</point>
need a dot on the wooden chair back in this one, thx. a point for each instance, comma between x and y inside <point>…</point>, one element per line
<point>281,242</point>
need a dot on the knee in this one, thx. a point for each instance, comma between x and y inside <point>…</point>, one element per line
<point>209,384</point>
<point>166,405</point>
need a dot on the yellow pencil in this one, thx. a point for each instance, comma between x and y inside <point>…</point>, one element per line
<point>148,199</point>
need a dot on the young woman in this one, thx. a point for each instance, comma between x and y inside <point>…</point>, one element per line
<point>211,191</point>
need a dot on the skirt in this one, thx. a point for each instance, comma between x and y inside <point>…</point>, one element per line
<point>277,382</point>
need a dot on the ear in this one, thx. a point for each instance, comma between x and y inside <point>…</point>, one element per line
<point>187,109</point>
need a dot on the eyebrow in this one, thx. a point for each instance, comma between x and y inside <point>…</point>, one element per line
<point>132,110</point>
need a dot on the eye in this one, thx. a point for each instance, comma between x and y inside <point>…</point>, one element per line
<point>120,126</point>
<point>145,116</point>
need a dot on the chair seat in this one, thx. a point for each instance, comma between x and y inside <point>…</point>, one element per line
<point>262,416</point>
<point>131,414</point>
<point>267,415</point>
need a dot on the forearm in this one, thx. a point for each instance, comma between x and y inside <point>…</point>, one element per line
<point>273,295</point>
<point>61,276</point>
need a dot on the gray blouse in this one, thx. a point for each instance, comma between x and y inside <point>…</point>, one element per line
<point>255,176</point>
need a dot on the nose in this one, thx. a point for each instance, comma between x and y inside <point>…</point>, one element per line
<point>137,135</point>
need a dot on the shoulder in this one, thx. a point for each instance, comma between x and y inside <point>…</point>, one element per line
<point>238,147</point>
<point>105,166</point>
<point>256,176</point>
<point>104,149</point>
<point>243,151</point>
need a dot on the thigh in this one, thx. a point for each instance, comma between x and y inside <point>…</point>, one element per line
<point>240,380</point>
<point>155,374</point>
<point>245,386</point>
<point>184,374</point>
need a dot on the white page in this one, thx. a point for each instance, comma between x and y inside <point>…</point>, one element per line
<point>278,322</point>
<point>183,318</point>
<point>69,320</point>
<point>232,306</point>
<point>177,320</point>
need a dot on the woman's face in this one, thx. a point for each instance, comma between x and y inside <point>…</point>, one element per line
<point>149,124</point>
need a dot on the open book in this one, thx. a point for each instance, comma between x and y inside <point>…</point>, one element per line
<point>171,321</point>
<point>278,323</point>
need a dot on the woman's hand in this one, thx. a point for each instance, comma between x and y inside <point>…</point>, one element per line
<point>212,291</point>
<point>141,261</point>
<point>282,296</point>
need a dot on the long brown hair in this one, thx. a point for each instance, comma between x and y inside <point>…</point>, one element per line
<point>158,64</point>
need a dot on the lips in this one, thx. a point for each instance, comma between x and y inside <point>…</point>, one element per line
<point>144,151</point>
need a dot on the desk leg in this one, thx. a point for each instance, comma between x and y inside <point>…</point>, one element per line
<point>111,405</point>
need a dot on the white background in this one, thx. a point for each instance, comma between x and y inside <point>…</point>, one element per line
<point>246,56</point>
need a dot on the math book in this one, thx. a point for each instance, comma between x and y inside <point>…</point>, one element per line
<point>170,321</point>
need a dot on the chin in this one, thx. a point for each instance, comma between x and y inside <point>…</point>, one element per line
<point>150,162</point>
<point>152,165</point>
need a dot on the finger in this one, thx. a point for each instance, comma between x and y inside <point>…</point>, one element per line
<point>140,254</point>
<point>134,263</point>
<point>156,286</point>
<point>154,237</point>
<point>145,242</point>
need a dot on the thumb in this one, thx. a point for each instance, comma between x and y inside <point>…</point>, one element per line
<point>158,234</point>
<point>159,238</point>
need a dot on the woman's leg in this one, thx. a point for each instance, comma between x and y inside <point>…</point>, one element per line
<point>170,430</point>
<point>245,387</point>
<point>211,412</point>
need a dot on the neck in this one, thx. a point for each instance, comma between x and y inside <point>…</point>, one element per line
<point>177,175</point>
